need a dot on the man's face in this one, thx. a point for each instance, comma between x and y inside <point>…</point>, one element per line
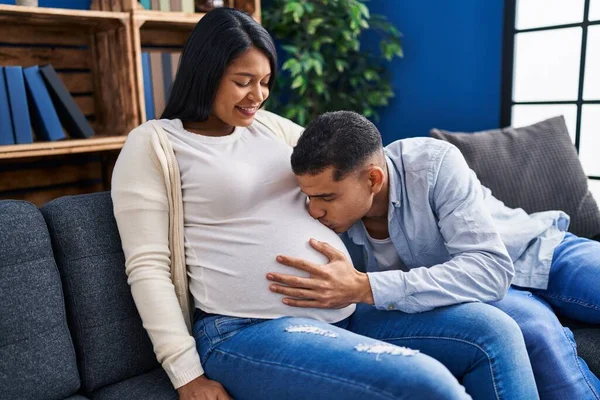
<point>337,204</point>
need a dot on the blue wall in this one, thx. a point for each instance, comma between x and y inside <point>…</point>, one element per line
<point>450,76</point>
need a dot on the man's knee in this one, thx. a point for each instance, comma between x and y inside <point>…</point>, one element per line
<point>492,326</point>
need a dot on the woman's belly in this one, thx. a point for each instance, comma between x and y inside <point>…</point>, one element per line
<point>228,262</point>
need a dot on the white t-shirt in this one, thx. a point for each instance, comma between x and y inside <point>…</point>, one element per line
<point>242,208</point>
<point>386,254</point>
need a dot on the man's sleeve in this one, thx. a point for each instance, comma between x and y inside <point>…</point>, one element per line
<point>480,268</point>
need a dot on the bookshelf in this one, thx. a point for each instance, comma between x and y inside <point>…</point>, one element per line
<point>84,46</point>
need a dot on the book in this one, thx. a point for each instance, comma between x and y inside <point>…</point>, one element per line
<point>19,109</point>
<point>175,62</point>
<point>148,97</point>
<point>167,62</point>
<point>69,113</point>
<point>158,87</point>
<point>165,5</point>
<point>187,6</point>
<point>176,5</point>
<point>155,5</point>
<point>147,4</point>
<point>44,118</point>
<point>6,130</point>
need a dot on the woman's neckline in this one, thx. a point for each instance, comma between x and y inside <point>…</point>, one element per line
<point>233,136</point>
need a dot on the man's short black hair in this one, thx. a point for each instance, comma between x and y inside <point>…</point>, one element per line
<point>341,139</point>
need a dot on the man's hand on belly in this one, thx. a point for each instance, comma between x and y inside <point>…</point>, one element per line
<point>333,285</point>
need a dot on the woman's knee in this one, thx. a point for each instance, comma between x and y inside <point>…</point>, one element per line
<point>422,377</point>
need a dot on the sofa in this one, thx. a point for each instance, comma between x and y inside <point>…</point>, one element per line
<point>69,328</point>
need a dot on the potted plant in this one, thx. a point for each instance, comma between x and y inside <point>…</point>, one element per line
<point>325,68</point>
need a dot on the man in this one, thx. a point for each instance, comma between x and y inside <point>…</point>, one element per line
<point>431,235</point>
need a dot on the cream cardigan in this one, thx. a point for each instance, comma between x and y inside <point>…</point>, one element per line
<point>148,207</point>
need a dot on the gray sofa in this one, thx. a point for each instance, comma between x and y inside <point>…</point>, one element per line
<point>69,328</point>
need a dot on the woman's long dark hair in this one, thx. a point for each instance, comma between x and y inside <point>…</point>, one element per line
<point>220,37</point>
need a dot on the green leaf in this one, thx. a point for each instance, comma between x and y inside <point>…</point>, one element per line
<point>293,66</point>
<point>292,7</point>
<point>364,10</point>
<point>371,75</point>
<point>313,24</point>
<point>319,86</point>
<point>298,81</point>
<point>290,49</point>
<point>318,67</point>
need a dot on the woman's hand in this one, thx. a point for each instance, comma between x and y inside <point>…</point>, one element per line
<point>202,388</point>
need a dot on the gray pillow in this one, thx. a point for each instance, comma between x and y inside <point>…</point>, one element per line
<point>534,167</point>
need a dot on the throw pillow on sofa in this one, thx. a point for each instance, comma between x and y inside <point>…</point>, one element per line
<point>534,167</point>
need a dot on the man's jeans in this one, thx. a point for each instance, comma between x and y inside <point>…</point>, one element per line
<point>573,291</point>
<point>368,356</point>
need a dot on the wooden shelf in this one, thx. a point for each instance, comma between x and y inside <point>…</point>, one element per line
<point>73,146</point>
<point>61,18</point>
<point>166,20</point>
<point>98,54</point>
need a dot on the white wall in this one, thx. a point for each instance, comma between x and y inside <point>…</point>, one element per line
<point>595,189</point>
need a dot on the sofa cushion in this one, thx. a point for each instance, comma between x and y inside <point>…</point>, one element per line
<point>587,337</point>
<point>109,339</point>
<point>153,385</point>
<point>588,346</point>
<point>36,350</point>
<point>535,168</point>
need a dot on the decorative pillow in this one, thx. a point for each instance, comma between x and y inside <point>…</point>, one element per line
<point>534,167</point>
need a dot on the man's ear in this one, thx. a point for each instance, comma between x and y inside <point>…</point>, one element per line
<point>376,178</point>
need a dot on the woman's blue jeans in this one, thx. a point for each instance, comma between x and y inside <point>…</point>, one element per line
<point>573,291</point>
<point>368,356</point>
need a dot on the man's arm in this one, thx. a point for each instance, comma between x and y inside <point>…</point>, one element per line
<point>480,268</point>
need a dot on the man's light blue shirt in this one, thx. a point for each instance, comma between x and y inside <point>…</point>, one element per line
<point>457,242</point>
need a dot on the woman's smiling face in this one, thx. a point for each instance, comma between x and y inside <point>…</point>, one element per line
<point>243,89</point>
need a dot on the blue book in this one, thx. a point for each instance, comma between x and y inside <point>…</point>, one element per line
<point>146,4</point>
<point>148,96</point>
<point>44,118</point>
<point>19,110</point>
<point>68,112</point>
<point>6,130</point>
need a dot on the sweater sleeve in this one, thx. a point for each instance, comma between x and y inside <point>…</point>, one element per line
<point>288,130</point>
<point>141,210</point>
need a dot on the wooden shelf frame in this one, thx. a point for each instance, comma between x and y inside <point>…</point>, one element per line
<point>73,146</point>
<point>85,20</point>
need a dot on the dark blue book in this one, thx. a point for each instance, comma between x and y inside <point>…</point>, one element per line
<point>19,110</point>
<point>148,96</point>
<point>6,130</point>
<point>167,73</point>
<point>44,118</point>
<point>68,111</point>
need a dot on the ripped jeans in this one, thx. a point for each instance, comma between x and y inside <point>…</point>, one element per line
<point>369,355</point>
